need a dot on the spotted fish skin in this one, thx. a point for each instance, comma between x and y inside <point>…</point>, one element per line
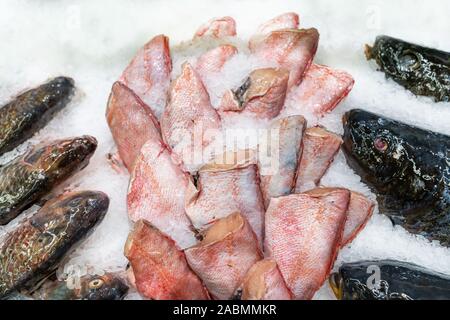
<point>26,179</point>
<point>29,112</point>
<point>33,251</point>
<point>407,167</point>
<point>424,71</point>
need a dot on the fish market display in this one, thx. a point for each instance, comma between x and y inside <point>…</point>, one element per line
<point>26,179</point>
<point>29,112</point>
<point>33,251</point>
<point>424,71</point>
<point>406,166</point>
<point>389,280</point>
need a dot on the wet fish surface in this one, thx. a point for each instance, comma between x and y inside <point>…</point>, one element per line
<point>29,112</point>
<point>24,180</point>
<point>424,71</point>
<point>33,251</point>
<point>396,281</point>
<point>407,167</point>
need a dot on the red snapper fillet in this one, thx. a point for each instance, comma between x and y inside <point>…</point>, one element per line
<point>217,28</point>
<point>278,171</point>
<point>228,250</point>
<point>189,123</point>
<point>290,49</point>
<point>303,234</point>
<point>264,282</point>
<point>212,61</point>
<point>131,122</point>
<point>148,74</point>
<point>160,270</point>
<point>289,20</point>
<point>321,90</point>
<point>223,189</point>
<point>319,149</point>
<point>262,94</point>
<point>359,212</point>
<point>157,193</point>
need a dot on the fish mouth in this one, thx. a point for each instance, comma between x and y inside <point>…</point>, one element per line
<point>337,285</point>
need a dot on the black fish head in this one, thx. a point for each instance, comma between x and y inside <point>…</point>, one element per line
<point>63,157</point>
<point>67,219</point>
<point>57,91</point>
<point>395,57</point>
<point>105,287</point>
<point>373,148</point>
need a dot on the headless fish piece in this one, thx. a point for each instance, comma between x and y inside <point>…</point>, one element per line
<point>398,281</point>
<point>217,28</point>
<point>189,118</point>
<point>212,61</point>
<point>29,112</point>
<point>264,282</point>
<point>35,249</point>
<point>148,74</point>
<point>228,250</point>
<point>25,180</point>
<point>321,90</point>
<point>89,287</point>
<point>132,123</point>
<point>157,191</point>
<point>261,95</point>
<point>290,49</point>
<point>225,189</point>
<point>289,144</point>
<point>423,71</point>
<point>319,149</point>
<point>289,20</point>
<point>303,234</point>
<point>407,167</point>
<point>159,266</point>
<point>359,212</point>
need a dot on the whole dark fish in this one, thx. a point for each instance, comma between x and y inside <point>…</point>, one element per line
<point>33,251</point>
<point>408,168</point>
<point>29,112</point>
<point>423,71</point>
<point>24,180</point>
<point>388,280</point>
<point>89,287</point>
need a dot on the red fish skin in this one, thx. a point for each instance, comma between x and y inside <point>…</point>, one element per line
<point>223,263</point>
<point>156,193</point>
<point>321,90</point>
<point>359,212</point>
<point>217,28</point>
<point>264,98</point>
<point>131,122</point>
<point>212,61</point>
<point>290,137</point>
<point>265,282</point>
<point>303,235</point>
<point>148,74</point>
<point>320,146</point>
<point>159,267</point>
<point>288,20</point>
<point>223,190</point>
<point>290,49</point>
<point>189,123</point>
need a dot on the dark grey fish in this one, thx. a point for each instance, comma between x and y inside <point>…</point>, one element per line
<point>25,180</point>
<point>389,280</point>
<point>34,250</point>
<point>423,71</point>
<point>407,167</point>
<point>29,112</point>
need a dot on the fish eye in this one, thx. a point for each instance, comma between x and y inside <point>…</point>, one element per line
<point>96,284</point>
<point>409,61</point>
<point>381,144</point>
